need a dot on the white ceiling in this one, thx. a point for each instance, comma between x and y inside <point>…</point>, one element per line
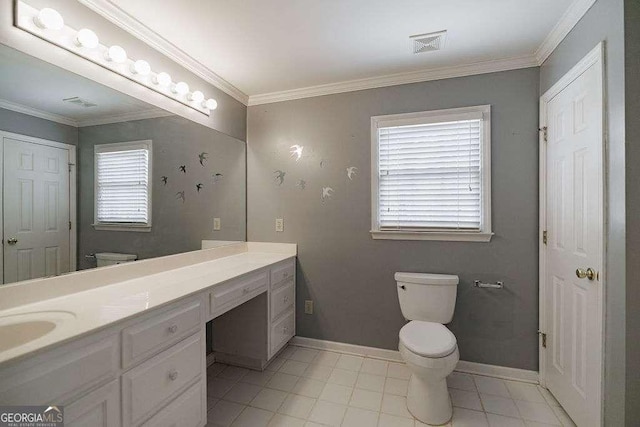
<point>269,46</point>
<point>35,84</point>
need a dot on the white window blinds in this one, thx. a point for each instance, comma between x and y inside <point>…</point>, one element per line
<point>430,176</point>
<point>122,183</point>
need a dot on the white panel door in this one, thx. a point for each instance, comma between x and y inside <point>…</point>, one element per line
<point>36,210</point>
<point>574,252</point>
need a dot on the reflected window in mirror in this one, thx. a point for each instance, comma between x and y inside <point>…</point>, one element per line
<point>123,186</point>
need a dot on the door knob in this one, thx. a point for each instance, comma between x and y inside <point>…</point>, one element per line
<point>12,241</point>
<point>589,273</point>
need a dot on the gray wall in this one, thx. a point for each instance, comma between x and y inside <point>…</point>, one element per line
<point>177,226</point>
<point>11,121</point>
<point>604,21</point>
<point>350,276</point>
<point>632,98</point>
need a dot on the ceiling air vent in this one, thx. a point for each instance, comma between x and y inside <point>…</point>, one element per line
<point>429,42</point>
<point>80,102</point>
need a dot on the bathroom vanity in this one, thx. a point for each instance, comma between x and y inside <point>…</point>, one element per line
<point>125,345</point>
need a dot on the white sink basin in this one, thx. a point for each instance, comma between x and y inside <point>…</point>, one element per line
<point>20,329</point>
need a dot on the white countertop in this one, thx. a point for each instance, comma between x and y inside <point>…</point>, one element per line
<point>90,310</point>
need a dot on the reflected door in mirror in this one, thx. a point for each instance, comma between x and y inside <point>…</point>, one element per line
<point>36,210</point>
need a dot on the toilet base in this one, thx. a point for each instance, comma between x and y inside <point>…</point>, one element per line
<point>429,401</point>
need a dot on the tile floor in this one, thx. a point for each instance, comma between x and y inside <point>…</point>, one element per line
<point>311,388</point>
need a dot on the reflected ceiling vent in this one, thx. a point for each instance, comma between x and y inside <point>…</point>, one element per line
<point>80,102</point>
<point>429,42</point>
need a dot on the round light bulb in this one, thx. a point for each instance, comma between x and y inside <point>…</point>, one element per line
<point>116,54</point>
<point>87,38</point>
<point>162,79</point>
<point>181,88</point>
<point>49,19</point>
<point>196,96</point>
<point>211,104</point>
<point>141,67</point>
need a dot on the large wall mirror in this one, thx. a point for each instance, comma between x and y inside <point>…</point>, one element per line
<point>88,170</point>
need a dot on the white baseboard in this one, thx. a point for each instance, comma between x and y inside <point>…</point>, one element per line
<point>358,350</point>
<point>502,372</point>
<point>211,359</point>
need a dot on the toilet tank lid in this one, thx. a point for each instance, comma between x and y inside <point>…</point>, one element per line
<point>427,278</point>
<point>113,256</point>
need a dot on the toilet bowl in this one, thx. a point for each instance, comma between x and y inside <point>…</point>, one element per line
<point>431,354</point>
<point>428,348</point>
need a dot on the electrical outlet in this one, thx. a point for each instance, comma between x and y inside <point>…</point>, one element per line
<point>216,224</point>
<point>279,225</point>
<point>308,306</point>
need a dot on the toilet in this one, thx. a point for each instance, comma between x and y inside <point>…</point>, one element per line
<point>428,348</point>
<point>104,259</point>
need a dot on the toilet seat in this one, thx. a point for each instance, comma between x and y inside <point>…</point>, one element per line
<point>428,339</point>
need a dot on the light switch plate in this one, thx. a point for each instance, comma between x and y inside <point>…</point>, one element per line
<point>279,225</point>
<point>216,224</point>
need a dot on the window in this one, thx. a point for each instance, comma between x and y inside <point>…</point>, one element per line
<point>123,186</point>
<point>431,175</point>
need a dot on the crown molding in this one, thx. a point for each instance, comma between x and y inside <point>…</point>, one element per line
<point>19,108</point>
<point>122,19</point>
<point>113,13</point>
<point>117,118</point>
<point>397,79</point>
<point>576,10</point>
<point>126,117</point>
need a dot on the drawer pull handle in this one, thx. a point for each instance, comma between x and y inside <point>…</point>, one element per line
<point>173,375</point>
<point>172,329</point>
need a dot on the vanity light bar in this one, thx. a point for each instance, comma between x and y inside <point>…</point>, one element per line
<point>48,24</point>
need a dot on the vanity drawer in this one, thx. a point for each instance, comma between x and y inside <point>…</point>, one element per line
<point>186,411</point>
<point>149,337</point>
<point>230,295</point>
<point>59,376</point>
<point>282,298</point>
<point>148,386</point>
<point>282,331</point>
<point>283,272</point>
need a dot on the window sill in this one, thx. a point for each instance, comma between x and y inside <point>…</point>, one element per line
<point>122,227</point>
<point>455,236</point>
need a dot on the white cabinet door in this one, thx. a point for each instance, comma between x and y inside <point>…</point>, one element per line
<point>98,408</point>
<point>36,210</point>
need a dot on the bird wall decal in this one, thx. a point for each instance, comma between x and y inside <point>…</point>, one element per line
<point>180,196</point>
<point>351,172</point>
<point>279,176</point>
<point>199,187</point>
<point>202,157</point>
<point>164,179</point>
<point>327,192</point>
<point>296,151</point>
<point>183,168</point>
<point>302,184</point>
<point>216,177</point>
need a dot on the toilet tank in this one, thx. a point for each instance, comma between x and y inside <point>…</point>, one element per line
<point>111,258</point>
<point>427,297</point>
